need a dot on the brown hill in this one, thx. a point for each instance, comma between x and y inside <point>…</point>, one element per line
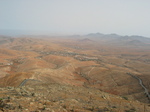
<point>65,61</point>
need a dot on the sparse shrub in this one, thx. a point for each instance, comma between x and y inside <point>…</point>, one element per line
<point>8,97</point>
<point>114,107</point>
<point>91,108</point>
<point>20,107</point>
<point>44,108</point>
<point>72,110</point>
<point>131,110</point>
<point>124,97</point>
<point>32,94</point>
<point>2,104</point>
<point>64,106</point>
<point>106,109</point>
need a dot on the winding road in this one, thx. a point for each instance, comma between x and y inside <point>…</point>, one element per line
<point>141,83</point>
<point>25,81</point>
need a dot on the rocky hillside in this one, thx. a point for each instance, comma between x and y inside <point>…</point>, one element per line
<point>36,96</point>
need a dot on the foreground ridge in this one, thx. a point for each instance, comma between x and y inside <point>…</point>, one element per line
<point>64,98</point>
<point>54,97</point>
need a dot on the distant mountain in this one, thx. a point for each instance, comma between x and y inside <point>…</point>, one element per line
<point>118,39</point>
<point>74,36</point>
<point>85,40</point>
<point>140,38</point>
<point>132,40</point>
<point>100,36</point>
<point>95,35</point>
<point>135,42</point>
<point>5,39</point>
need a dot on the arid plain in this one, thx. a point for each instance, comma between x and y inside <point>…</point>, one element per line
<point>97,72</point>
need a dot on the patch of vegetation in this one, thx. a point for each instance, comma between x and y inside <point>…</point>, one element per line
<point>124,97</point>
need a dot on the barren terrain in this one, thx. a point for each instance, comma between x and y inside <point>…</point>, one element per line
<point>92,64</point>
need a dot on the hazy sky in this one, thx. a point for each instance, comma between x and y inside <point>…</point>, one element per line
<point>125,17</point>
